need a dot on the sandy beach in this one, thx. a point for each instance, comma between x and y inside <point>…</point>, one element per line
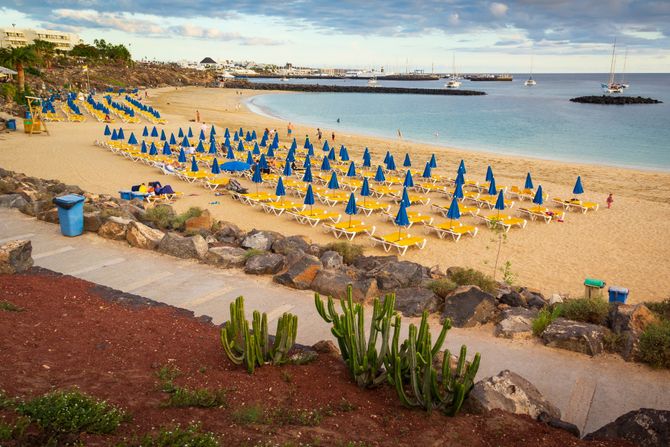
<point>628,245</point>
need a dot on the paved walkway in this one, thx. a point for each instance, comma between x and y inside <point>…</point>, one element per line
<point>589,391</point>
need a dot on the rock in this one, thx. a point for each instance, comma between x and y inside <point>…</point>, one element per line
<point>533,298</point>
<point>50,216</point>
<point>331,260</point>
<point>395,275</point>
<point>510,392</point>
<point>555,299</point>
<point>513,299</point>
<point>334,283</point>
<point>326,347</point>
<point>202,222</point>
<point>16,256</point>
<point>289,244</point>
<point>516,323</point>
<point>228,233</point>
<point>12,201</point>
<point>645,427</point>
<point>368,263</point>
<point>575,336</point>
<point>92,221</point>
<point>300,272</point>
<point>557,423</point>
<point>264,264</point>
<point>260,240</point>
<point>183,247</point>
<point>615,100</point>
<point>630,321</point>
<point>468,306</point>
<point>226,257</point>
<point>33,208</point>
<point>413,301</point>
<point>302,356</point>
<point>142,236</point>
<point>114,228</point>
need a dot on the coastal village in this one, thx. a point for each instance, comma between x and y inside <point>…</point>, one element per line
<point>396,292</point>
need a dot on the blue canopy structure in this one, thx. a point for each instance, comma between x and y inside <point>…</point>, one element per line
<point>390,165</point>
<point>344,154</point>
<point>194,165</point>
<point>185,143</point>
<point>427,171</point>
<point>405,197</point>
<point>386,157</point>
<point>257,150</point>
<point>145,131</point>
<point>379,175</point>
<point>489,173</point>
<point>500,202</point>
<point>120,135</point>
<point>325,164</point>
<point>236,137</point>
<point>254,135</point>
<point>226,133</point>
<point>294,145</point>
<point>235,166</point>
<point>307,177</point>
<point>578,189</point>
<point>287,172</point>
<point>433,162</point>
<point>240,132</point>
<point>401,219</point>
<point>114,136</point>
<point>529,182</point>
<point>212,131</point>
<point>366,158</point>
<point>310,151</point>
<point>409,181</point>
<point>307,162</point>
<point>153,150</point>
<point>190,133</point>
<point>460,178</point>
<point>143,147</point>
<point>461,167</point>
<point>538,199</point>
<point>280,191</point>
<point>180,134</point>
<point>365,189</point>
<point>132,139</point>
<point>263,162</point>
<point>307,143</point>
<point>215,167</point>
<point>270,152</point>
<point>351,172</point>
<point>309,196</point>
<point>230,154</point>
<point>107,131</point>
<point>290,156</point>
<point>202,135</point>
<point>173,140</point>
<point>250,158</point>
<point>166,149</point>
<point>264,141</point>
<point>458,191</point>
<point>407,163</point>
<point>163,135</point>
<point>212,148</point>
<point>182,156</point>
<point>331,154</point>
<point>454,212</point>
<point>492,187</point>
<point>200,147</point>
<point>275,141</point>
<point>333,183</point>
<point>240,146</point>
<point>247,136</point>
<point>257,178</point>
<point>351,209</point>
<point>326,147</point>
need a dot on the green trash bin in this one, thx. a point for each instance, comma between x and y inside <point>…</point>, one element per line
<point>593,288</point>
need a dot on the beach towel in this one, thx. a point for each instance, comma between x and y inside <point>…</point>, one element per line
<point>167,189</point>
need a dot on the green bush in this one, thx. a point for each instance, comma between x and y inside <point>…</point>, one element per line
<point>544,319</point>
<point>34,71</point>
<point>160,215</point>
<point>661,309</point>
<point>467,277</point>
<point>587,310</point>
<point>201,397</point>
<point>442,287</point>
<point>9,307</point>
<point>348,251</point>
<point>190,436</point>
<point>72,412</point>
<point>252,414</point>
<point>8,91</point>
<point>655,345</point>
<point>179,221</point>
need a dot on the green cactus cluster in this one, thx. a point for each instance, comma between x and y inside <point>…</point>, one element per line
<point>407,366</point>
<point>252,347</point>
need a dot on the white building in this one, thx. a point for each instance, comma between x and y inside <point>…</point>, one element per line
<point>20,37</point>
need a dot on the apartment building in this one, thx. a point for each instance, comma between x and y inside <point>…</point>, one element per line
<point>19,37</point>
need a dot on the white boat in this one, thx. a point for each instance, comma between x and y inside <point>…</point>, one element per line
<point>284,79</point>
<point>372,82</point>
<point>453,81</point>
<point>530,81</point>
<point>623,73</point>
<point>611,86</point>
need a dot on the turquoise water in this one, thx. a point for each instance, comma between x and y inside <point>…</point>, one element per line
<point>511,119</point>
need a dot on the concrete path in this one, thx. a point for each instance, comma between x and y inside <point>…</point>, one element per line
<point>589,391</point>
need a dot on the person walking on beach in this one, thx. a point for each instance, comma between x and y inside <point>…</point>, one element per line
<point>333,136</point>
<point>289,128</point>
<point>610,201</point>
<point>197,116</point>
<point>318,133</point>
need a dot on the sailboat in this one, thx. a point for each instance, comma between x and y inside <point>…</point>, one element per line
<point>372,82</point>
<point>611,86</point>
<point>454,80</point>
<point>530,81</point>
<point>623,73</point>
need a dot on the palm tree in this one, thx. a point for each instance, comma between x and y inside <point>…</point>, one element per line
<point>19,58</point>
<point>44,50</point>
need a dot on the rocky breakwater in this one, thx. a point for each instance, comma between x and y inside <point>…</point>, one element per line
<point>615,100</point>
<point>243,84</point>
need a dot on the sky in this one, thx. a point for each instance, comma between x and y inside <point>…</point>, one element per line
<point>481,36</point>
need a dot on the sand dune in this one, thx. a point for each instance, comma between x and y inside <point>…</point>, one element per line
<point>628,245</point>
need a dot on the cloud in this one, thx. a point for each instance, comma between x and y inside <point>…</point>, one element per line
<point>498,9</point>
<point>454,18</point>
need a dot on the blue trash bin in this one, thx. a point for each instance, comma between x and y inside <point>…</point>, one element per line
<point>126,195</point>
<point>618,294</point>
<point>11,124</point>
<point>70,214</point>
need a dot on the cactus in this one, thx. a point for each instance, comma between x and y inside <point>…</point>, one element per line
<point>364,362</point>
<point>253,348</point>
<point>414,377</point>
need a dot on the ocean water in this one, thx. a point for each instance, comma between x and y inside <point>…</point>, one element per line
<point>511,119</point>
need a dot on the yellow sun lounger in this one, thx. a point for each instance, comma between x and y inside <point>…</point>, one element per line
<point>413,217</point>
<point>352,184</point>
<point>521,193</point>
<point>504,220</point>
<point>431,187</point>
<point>490,201</point>
<point>253,198</point>
<point>464,209</point>
<point>413,198</point>
<point>164,198</point>
<point>333,198</point>
<point>577,205</point>
<point>453,229</point>
<point>370,206</point>
<point>350,229</point>
<point>399,241</point>
<point>540,212</point>
<point>315,216</point>
<point>381,191</point>
<point>277,208</point>
<point>215,183</point>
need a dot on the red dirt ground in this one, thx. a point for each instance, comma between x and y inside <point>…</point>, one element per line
<point>69,335</point>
